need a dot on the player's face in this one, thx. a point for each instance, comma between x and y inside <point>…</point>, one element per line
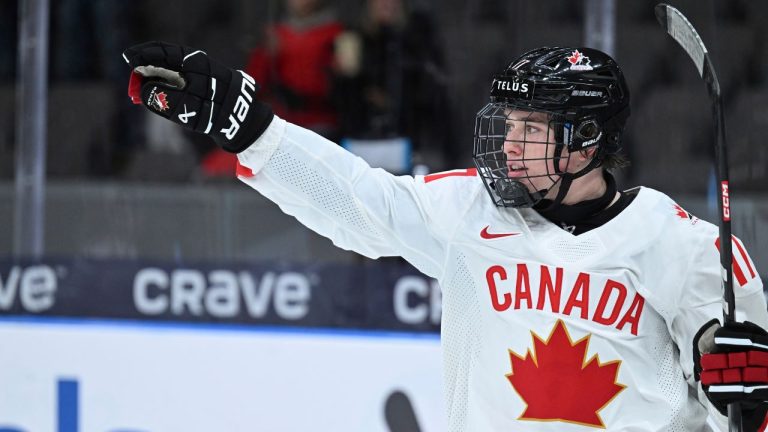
<point>529,148</point>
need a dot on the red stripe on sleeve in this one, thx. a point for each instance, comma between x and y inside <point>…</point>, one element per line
<point>737,272</point>
<point>242,171</point>
<point>469,172</point>
<point>745,256</point>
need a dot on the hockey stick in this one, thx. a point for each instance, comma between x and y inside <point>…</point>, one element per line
<point>681,30</point>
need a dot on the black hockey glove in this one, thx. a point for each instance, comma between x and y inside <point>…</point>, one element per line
<point>187,87</point>
<point>732,364</point>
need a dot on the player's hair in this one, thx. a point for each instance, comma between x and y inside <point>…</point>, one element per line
<point>615,161</point>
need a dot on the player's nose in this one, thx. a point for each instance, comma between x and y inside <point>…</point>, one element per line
<point>515,133</point>
<point>513,145</point>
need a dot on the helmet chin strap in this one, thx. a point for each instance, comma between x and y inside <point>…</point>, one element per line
<point>566,180</point>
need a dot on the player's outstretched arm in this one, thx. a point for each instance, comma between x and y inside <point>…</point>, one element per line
<point>329,190</point>
<point>187,87</point>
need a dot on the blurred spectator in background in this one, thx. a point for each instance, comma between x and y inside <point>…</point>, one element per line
<point>295,65</point>
<point>88,35</point>
<point>395,86</point>
<point>86,42</point>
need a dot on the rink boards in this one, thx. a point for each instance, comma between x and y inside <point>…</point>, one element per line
<point>124,346</point>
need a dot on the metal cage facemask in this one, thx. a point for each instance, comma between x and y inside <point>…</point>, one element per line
<point>521,154</point>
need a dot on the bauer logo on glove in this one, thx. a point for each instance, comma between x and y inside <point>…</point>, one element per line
<point>189,88</point>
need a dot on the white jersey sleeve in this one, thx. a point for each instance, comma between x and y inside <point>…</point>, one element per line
<point>339,196</point>
<point>701,297</point>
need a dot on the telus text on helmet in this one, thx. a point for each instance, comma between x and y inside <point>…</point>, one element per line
<point>512,86</point>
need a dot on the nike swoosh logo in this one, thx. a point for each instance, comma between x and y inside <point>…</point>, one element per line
<point>490,236</point>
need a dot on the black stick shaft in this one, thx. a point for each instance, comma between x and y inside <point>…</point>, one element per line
<point>678,26</point>
<point>724,206</point>
<point>726,254</point>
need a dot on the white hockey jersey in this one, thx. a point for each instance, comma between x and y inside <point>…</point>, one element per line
<point>541,330</point>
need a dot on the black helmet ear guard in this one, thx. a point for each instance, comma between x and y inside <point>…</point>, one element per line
<point>584,95</point>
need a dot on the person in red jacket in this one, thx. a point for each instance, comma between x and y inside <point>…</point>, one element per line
<point>295,66</point>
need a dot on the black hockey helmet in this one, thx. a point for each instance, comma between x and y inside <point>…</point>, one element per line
<point>585,98</point>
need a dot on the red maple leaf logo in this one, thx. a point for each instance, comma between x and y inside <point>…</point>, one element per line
<point>557,384</point>
<point>162,101</point>
<point>575,57</point>
<point>682,214</point>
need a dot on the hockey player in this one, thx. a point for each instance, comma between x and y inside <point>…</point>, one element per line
<point>568,304</point>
